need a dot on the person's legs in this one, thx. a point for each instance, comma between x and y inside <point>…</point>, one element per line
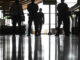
<point>40,29</point>
<point>29,26</point>
<point>19,20</point>
<point>36,28</point>
<point>19,23</point>
<point>19,27</point>
<point>14,23</point>
<point>36,23</point>
<point>66,23</point>
<point>59,24</point>
<point>14,26</point>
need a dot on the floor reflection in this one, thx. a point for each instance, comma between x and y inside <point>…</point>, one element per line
<point>67,47</point>
<point>29,48</point>
<point>13,47</point>
<point>44,47</point>
<point>38,48</point>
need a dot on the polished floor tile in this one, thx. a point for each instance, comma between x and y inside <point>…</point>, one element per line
<point>44,47</point>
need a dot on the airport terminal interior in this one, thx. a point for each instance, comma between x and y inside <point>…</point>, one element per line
<point>47,46</point>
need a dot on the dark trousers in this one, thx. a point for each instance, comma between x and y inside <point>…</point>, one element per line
<point>66,25</point>
<point>32,19</point>
<point>15,20</point>
<point>40,28</point>
<point>29,26</point>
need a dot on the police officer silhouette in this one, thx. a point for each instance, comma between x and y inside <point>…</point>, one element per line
<point>16,13</point>
<point>32,9</point>
<point>63,15</point>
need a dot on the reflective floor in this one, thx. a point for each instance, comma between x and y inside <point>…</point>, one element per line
<point>44,47</point>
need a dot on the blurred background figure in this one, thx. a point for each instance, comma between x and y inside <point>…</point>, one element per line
<point>40,20</point>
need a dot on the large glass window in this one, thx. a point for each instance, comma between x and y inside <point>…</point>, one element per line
<point>1,15</point>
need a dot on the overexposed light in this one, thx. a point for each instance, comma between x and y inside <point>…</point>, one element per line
<point>71,56</point>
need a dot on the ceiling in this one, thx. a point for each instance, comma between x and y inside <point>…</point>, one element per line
<point>10,0</point>
<point>23,2</point>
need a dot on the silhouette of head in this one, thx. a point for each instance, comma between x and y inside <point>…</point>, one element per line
<point>40,9</point>
<point>62,1</point>
<point>32,1</point>
<point>16,1</point>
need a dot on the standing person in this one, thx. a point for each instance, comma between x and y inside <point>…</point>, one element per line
<point>63,15</point>
<point>41,20</point>
<point>78,20</point>
<point>16,13</point>
<point>32,9</point>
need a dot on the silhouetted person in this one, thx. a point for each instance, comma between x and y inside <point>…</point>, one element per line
<point>32,9</point>
<point>63,15</point>
<point>40,20</point>
<point>78,20</point>
<point>16,13</point>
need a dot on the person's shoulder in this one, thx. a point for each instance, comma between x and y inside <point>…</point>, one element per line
<point>59,4</point>
<point>29,4</point>
<point>13,4</point>
<point>42,12</point>
<point>19,3</point>
<point>32,4</point>
<point>65,4</point>
<point>35,4</point>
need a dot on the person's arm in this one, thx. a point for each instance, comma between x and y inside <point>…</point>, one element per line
<point>21,9</point>
<point>36,8</point>
<point>43,18</point>
<point>21,12</point>
<point>11,9</point>
<point>28,7</point>
<point>58,10</point>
